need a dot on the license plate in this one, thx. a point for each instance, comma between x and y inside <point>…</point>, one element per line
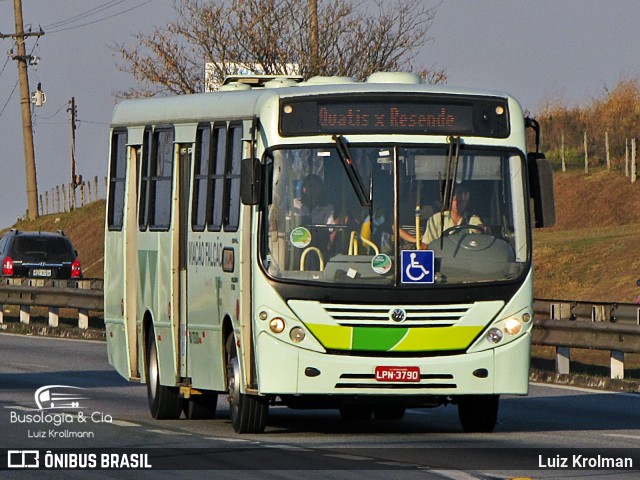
<point>397,374</point>
<point>41,272</point>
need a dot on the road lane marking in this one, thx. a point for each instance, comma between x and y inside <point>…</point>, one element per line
<point>289,447</point>
<point>231,440</point>
<point>586,390</point>
<point>124,423</point>
<point>170,432</point>
<point>347,457</point>
<point>454,475</point>
<point>622,435</point>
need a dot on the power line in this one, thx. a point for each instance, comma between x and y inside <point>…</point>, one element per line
<point>86,14</point>
<point>5,64</point>
<point>17,81</point>
<point>10,97</point>
<point>100,19</point>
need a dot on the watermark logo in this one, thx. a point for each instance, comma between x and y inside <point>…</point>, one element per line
<point>51,397</point>
<point>62,413</point>
<point>23,458</point>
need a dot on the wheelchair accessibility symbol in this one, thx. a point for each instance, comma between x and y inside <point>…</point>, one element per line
<point>417,266</point>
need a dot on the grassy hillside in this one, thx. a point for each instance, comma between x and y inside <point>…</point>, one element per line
<point>589,255</point>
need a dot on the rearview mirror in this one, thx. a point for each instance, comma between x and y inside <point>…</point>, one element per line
<point>541,189</point>
<point>250,181</point>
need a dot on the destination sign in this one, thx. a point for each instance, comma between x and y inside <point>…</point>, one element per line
<point>411,115</point>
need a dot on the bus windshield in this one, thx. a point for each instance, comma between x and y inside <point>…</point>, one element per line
<point>466,206</point>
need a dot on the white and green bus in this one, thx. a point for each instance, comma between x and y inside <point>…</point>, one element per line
<point>363,246</point>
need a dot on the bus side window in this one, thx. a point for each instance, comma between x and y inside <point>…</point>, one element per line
<point>232,179</point>
<point>216,180</point>
<point>201,178</point>
<point>117,180</point>
<point>145,179</point>
<point>162,156</point>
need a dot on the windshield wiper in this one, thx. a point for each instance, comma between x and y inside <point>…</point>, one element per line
<point>451,172</point>
<point>354,177</point>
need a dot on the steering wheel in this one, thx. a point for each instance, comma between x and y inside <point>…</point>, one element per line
<point>458,228</point>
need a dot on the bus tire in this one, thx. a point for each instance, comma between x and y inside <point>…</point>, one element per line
<point>248,412</point>
<point>164,402</point>
<point>201,407</point>
<point>478,413</point>
<point>389,412</point>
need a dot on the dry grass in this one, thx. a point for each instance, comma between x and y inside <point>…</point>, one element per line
<point>590,254</point>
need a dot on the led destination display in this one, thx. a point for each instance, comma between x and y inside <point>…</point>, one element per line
<point>411,115</point>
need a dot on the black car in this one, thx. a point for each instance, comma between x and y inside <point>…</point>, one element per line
<point>39,255</point>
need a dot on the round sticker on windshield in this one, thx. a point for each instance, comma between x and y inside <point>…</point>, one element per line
<point>381,263</point>
<point>300,237</point>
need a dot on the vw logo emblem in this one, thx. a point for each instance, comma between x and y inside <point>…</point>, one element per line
<point>397,314</point>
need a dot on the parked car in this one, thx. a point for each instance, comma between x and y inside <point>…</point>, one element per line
<point>39,255</point>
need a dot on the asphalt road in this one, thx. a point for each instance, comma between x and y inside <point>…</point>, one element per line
<point>534,433</point>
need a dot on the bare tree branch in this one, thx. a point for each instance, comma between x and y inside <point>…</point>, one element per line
<point>353,40</point>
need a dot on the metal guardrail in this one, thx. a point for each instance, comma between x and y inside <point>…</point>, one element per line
<point>84,295</point>
<point>561,324</point>
<point>597,326</point>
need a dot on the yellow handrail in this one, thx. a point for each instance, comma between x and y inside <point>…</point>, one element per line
<point>353,244</point>
<point>304,256</point>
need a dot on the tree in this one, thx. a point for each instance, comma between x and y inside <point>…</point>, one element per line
<point>352,39</point>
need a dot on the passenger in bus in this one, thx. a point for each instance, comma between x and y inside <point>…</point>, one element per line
<point>315,214</point>
<point>312,205</point>
<point>460,214</point>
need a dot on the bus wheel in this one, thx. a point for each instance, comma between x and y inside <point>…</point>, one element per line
<point>478,413</point>
<point>248,412</point>
<point>201,407</point>
<point>355,412</point>
<point>164,402</point>
<point>389,413</point>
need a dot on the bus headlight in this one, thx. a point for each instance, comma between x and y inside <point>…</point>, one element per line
<point>512,326</point>
<point>297,334</point>
<point>494,335</point>
<point>276,325</point>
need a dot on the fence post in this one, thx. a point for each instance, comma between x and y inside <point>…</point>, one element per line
<point>633,160</point>
<point>617,364</point>
<point>560,311</point>
<point>54,316</point>
<point>25,313</point>
<point>564,163</point>
<point>606,148</point>
<point>586,154</point>
<point>626,157</point>
<point>83,318</point>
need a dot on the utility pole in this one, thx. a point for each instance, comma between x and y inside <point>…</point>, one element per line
<point>313,18</point>
<point>25,102</point>
<point>74,180</point>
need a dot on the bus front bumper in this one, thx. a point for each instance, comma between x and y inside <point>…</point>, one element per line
<point>286,369</point>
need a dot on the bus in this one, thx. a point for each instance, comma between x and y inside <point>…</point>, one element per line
<point>270,242</point>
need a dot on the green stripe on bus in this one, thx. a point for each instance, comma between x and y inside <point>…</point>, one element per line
<point>336,337</point>
<point>376,338</point>
<point>332,336</point>
<point>446,338</point>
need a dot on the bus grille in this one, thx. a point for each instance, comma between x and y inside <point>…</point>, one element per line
<point>427,382</point>
<point>381,315</point>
